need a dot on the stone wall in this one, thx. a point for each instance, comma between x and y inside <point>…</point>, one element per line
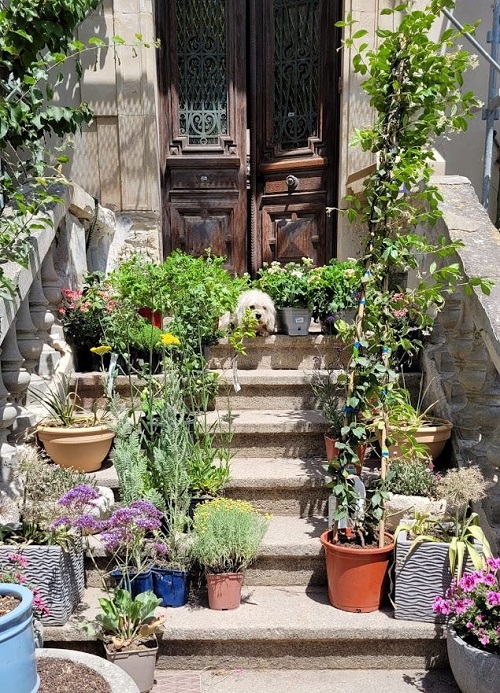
<point>462,364</point>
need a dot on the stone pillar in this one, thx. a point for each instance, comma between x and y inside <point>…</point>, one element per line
<point>29,343</point>
<point>43,321</point>
<point>16,379</point>
<point>52,292</point>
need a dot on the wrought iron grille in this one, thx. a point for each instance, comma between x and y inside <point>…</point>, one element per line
<point>202,79</point>
<point>296,72</point>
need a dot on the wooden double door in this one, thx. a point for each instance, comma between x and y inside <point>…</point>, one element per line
<point>249,103</point>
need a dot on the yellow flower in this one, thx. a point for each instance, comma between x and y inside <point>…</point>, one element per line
<point>169,339</point>
<point>100,350</point>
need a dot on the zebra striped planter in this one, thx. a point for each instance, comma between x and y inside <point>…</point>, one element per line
<point>58,574</point>
<point>421,576</point>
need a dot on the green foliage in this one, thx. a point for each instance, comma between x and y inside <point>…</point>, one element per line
<point>142,283</point>
<point>411,479</point>
<point>288,285</point>
<point>126,620</point>
<point>227,535</point>
<point>84,314</point>
<point>333,288</point>
<point>34,39</point>
<point>414,87</point>
<point>61,403</point>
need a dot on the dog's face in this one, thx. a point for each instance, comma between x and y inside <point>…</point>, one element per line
<point>261,309</point>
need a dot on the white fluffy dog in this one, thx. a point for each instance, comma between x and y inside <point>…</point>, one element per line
<point>261,307</point>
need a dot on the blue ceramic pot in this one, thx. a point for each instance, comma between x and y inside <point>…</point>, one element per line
<point>171,586</point>
<point>18,672</point>
<point>135,583</point>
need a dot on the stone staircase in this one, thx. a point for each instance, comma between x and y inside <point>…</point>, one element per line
<point>285,619</point>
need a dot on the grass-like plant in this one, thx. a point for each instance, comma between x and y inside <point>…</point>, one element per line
<point>227,535</point>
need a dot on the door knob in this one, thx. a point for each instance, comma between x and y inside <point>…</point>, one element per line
<point>292,183</point>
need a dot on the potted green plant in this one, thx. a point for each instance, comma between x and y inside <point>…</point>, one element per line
<point>333,290</point>
<point>71,436</point>
<point>431,552</point>
<point>128,626</point>
<point>84,315</point>
<point>412,488</point>
<point>226,538</point>
<point>132,538</point>
<point>289,287</point>
<point>412,432</point>
<point>470,605</point>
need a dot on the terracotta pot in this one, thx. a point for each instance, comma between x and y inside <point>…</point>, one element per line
<point>153,316</point>
<point>224,590</point>
<point>433,436</point>
<point>332,452</point>
<point>357,578</point>
<point>82,449</point>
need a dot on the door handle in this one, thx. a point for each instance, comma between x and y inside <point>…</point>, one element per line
<point>292,183</point>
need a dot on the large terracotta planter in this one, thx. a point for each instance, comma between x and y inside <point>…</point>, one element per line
<point>433,435</point>
<point>224,590</point>
<point>81,448</point>
<point>56,573</point>
<point>139,664</point>
<point>18,672</point>
<point>357,577</point>
<point>475,671</point>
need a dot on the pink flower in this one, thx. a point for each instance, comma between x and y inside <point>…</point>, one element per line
<point>441,606</point>
<point>493,563</point>
<point>493,598</point>
<point>18,559</point>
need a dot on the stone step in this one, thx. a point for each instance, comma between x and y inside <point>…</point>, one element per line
<point>269,433</point>
<point>290,554</point>
<point>280,352</point>
<point>278,627</point>
<point>283,486</point>
<point>265,388</point>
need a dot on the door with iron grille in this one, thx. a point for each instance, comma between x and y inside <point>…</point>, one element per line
<point>249,128</point>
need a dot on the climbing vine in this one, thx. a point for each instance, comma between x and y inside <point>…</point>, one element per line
<point>414,87</point>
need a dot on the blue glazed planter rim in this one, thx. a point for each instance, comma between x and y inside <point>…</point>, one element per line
<point>20,591</point>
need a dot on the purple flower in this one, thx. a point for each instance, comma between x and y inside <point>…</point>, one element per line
<point>78,496</point>
<point>159,548</point>
<point>147,509</point>
<point>493,598</point>
<point>18,560</point>
<point>469,581</point>
<point>489,579</point>
<point>63,521</point>
<point>493,563</point>
<point>483,638</point>
<point>461,605</point>
<point>441,606</point>
<point>89,524</point>
<point>147,524</point>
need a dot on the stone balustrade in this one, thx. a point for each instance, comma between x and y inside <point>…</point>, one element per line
<point>462,363</point>
<point>32,346</point>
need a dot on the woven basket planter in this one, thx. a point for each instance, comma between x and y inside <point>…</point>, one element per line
<point>58,574</point>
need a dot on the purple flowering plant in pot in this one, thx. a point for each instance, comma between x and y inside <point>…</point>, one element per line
<point>472,607</point>
<point>132,538</point>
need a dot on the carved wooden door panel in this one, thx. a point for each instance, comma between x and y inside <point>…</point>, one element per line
<point>294,155</point>
<point>249,128</point>
<point>202,75</point>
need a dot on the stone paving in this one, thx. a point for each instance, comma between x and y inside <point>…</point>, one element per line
<point>306,681</point>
